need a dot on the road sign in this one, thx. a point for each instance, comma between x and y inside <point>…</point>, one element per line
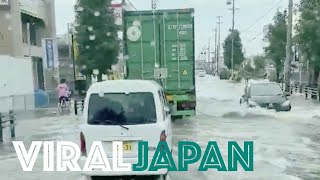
<point>50,57</point>
<point>160,73</point>
<point>185,72</point>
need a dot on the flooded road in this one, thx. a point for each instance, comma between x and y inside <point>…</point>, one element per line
<point>286,144</point>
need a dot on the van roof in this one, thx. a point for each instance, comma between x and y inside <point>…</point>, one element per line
<point>125,86</point>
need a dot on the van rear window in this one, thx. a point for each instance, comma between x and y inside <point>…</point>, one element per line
<point>121,109</point>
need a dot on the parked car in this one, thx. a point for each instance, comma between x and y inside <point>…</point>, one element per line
<point>265,95</point>
<point>128,111</point>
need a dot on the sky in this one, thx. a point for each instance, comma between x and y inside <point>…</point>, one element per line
<point>251,16</point>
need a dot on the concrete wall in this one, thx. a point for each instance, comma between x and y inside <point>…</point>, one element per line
<point>11,31</point>
<point>20,85</point>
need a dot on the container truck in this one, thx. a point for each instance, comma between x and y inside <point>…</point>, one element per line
<point>160,45</point>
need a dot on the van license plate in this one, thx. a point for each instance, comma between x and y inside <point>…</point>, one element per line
<point>127,146</point>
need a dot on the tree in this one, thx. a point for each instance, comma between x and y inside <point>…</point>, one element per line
<point>96,35</point>
<point>277,37</point>
<point>238,54</point>
<point>259,62</point>
<point>308,37</point>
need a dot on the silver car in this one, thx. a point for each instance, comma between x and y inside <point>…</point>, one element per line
<point>265,95</point>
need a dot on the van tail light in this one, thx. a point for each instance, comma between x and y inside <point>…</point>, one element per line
<point>83,145</point>
<point>163,136</point>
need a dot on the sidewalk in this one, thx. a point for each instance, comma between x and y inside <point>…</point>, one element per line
<point>36,113</point>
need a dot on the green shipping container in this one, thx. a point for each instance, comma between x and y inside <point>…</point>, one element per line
<point>160,46</point>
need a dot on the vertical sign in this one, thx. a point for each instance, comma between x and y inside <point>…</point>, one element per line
<point>117,10</point>
<point>4,4</point>
<point>50,56</point>
<point>49,53</point>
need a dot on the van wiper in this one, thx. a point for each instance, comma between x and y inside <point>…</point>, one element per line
<point>113,123</point>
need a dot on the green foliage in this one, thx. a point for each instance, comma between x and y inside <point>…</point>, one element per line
<point>238,54</point>
<point>259,62</point>
<point>308,37</point>
<point>224,74</point>
<point>96,35</point>
<point>277,41</point>
<point>248,68</point>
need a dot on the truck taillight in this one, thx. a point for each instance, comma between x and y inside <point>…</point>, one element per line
<point>163,136</point>
<point>83,145</point>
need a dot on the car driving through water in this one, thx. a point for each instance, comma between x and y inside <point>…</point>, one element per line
<point>265,95</point>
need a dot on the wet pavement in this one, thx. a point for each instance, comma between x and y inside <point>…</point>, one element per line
<point>36,113</point>
<point>286,144</point>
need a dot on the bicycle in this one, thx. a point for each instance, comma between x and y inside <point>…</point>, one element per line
<point>64,104</point>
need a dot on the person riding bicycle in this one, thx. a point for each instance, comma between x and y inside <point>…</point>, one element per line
<point>63,91</point>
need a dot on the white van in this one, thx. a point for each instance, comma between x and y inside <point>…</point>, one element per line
<point>127,111</point>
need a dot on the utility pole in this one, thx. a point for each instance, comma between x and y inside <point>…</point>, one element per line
<point>219,43</point>
<point>154,4</point>
<point>232,33</point>
<point>69,41</point>
<point>232,53</point>
<point>71,54</point>
<point>205,53</point>
<point>215,50</point>
<point>287,65</point>
<point>209,52</point>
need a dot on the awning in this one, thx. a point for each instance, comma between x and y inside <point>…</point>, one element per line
<point>30,14</point>
<point>30,17</point>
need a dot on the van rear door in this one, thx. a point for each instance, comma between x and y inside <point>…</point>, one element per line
<point>129,118</point>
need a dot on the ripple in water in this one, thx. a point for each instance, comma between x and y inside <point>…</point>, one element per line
<point>236,115</point>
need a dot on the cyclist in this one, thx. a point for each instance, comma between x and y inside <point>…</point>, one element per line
<point>63,92</point>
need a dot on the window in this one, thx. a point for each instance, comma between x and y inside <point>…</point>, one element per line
<point>266,90</point>
<point>122,109</point>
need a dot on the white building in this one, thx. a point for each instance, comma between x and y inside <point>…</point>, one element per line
<point>20,21</point>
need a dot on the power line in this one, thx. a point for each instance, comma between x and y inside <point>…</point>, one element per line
<point>132,5</point>
<point>254,38</point>
<point>249,27</point>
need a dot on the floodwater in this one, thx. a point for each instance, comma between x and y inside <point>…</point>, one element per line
<point>286,144</point>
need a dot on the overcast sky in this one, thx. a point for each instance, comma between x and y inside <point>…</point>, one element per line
<point>206,12</point>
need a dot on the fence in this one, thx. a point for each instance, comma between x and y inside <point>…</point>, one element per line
<point>310,92</point>
<point>28,102</point>
<point>7,121</point>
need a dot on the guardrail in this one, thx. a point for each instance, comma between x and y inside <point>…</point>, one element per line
<point>310,92</point>
<point>7,121</point>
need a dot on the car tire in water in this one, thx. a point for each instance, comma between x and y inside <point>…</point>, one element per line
<point>288,110</point>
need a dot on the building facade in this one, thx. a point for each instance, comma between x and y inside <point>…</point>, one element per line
<point>24,23</point>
